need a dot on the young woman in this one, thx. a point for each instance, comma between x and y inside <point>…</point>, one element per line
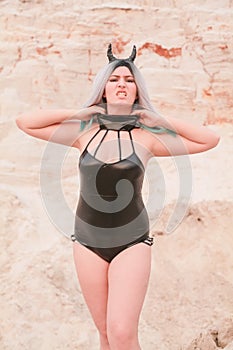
<point>117,133</point>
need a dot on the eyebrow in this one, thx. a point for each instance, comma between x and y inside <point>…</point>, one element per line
<point>118,76</point>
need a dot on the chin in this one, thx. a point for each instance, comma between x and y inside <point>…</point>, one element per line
<point>125,102</point>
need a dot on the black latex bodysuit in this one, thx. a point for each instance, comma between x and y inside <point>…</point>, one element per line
<point>111,215</point>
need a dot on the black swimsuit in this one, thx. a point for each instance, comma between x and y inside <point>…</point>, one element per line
<point>111,215</point>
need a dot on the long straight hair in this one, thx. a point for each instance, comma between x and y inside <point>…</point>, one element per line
<point>103,76</point>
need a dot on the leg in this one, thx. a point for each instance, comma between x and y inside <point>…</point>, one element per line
<point>128,280</point>
<point>92,273</point>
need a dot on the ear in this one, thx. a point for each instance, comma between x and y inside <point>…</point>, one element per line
<point>104,97</point>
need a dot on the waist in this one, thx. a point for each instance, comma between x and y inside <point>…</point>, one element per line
<point>111,196</point>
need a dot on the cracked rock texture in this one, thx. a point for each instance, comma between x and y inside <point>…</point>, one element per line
<point>49,49</point>
<point>50,52</point>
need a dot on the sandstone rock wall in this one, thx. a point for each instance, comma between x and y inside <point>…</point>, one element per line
<point>50,51</point>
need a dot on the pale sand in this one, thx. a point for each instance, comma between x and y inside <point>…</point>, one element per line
<point>190,297</point>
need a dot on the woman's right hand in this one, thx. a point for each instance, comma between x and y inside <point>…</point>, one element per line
<point>57,125</point>
<point>88,112</point>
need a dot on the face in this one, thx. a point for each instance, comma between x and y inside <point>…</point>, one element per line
<point>121,87</point>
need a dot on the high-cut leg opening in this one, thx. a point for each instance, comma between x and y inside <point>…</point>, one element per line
<point>108,254</point>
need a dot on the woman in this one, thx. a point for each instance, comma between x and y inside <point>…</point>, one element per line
<point>119,131</point>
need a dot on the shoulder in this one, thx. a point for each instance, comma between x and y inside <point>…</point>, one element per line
<point>157,144</point>
<point>144,138</point>
<point>85,135</point>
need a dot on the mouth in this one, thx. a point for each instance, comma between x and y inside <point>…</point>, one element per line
<point>121,93</point>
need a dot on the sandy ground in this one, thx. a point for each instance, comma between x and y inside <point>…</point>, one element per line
<point>189,304</point>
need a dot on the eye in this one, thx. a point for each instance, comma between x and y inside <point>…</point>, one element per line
<point>130,79</point>
<point>112,79</point>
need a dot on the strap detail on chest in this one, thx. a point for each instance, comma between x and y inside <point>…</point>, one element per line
<point>115,123</point>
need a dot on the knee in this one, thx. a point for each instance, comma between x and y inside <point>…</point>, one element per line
<point>121,335</point>
<point>102,330</point>
<point>103,337</point>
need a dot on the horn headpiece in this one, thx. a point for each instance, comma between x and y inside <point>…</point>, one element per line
<point>112,58</point>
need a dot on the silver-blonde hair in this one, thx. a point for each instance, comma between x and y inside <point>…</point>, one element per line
<point>143,100</point>
<point>102,78</point>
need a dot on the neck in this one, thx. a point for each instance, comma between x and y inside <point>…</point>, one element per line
<point>119,109</point>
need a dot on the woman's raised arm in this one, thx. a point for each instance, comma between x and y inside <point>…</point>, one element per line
<point>188,138</point>
<point>56,125</point>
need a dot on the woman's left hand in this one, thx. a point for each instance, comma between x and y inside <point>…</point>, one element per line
<point>148,118</point>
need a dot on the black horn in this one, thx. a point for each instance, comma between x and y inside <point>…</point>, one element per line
<point>111,58</point>
<point>133,54</point>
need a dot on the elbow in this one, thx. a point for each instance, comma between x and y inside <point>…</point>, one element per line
<point>216,140</point>
<point>213,142</point>
<point>20,123</point>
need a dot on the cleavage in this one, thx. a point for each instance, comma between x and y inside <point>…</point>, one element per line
<point>111,149</point>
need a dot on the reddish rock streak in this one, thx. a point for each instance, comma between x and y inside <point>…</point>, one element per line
<point>161,51</point>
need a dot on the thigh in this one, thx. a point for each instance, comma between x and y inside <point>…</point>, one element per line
<point>128,278</point>
<point>92,272</point>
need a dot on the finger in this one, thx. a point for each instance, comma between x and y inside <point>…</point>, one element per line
<point>136,112</point>
<point>100,109</point>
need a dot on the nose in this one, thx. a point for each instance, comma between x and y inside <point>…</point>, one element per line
<point>121,83</point>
